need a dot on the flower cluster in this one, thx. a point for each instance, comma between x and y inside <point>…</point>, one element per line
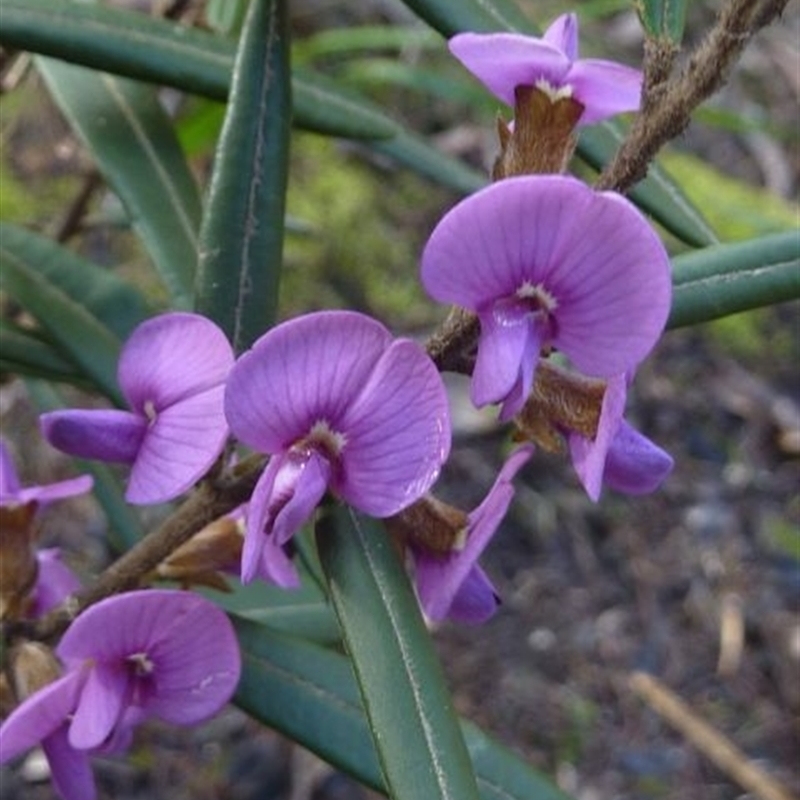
<point>162,654</point>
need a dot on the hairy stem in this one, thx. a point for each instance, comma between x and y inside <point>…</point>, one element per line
<point>667,105</point>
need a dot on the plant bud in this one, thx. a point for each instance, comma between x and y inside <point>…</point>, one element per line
<point>31,665</point>
<point>18,566</point>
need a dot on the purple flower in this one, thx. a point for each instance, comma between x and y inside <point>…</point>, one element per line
<point>453,585</point>
<point>618,456</point>
<point>504,61</point>
<point>55,581</point>
<point>172,372</point>
<point>546,262</point>
<point>341,405</point>
<point>157,653</point>
<point>12,493</point>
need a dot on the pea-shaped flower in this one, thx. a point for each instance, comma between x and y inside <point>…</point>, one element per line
<point>505,61</point>
<point>172,372</point>
<point>161,654</point>
<point>546,262</point>
<point>339,404</point>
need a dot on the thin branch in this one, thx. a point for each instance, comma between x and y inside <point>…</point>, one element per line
<point>668,104</point>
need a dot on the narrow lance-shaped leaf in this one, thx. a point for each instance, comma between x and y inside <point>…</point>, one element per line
<point>116,303</point>
<point>722,280</point>
<point>242,234</point>
<point>663,19</point>
<point>159,51</point>
<point>419,742</point>
<point>134,144</point>
<point>77,333</point>
<point>162,52</point>
<point>23,352</point>
<point>309,693</point>
<point>478,16</point>
<point>657,194</point>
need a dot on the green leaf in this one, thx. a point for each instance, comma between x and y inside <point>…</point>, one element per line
<point>71,326</point>
<point>226,16</point>
<point>309,693</point>
<point>722,280</point>
<point>242,234</point>
<point>124,525</point>
<point>24,353</point>
<point>139,46</point>
<point>115,303</point>
<point>657,194</point>
<point>133,142</point>
<point>663,19</point>
<point>419,742</point>
<point>477,16</point>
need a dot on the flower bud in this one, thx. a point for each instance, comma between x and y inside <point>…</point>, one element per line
<point>18,566</point>
<point>32,665</point>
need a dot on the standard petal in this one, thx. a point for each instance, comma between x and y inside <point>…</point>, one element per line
<point>100,704</point>
<point>180,446</point>
<point>196,667</point>
<point>70,770</point>
<point>563,35</point>
<point>503,61</point>
<point>397,433</point>
<point>105,435</point>
<point>611,282</point>
<point>604,88</point>
<point>39,716</point>
<point>54,581</point>
<point>171,357</point>
<point>635,465</point>
<point>502,237</point>
<point>305,370</point>
<point>589,455</point>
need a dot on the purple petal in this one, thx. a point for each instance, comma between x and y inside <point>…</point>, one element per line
<point>61,490</point>
<point>605,88</point>
<point>397,433</point>
<point>102,699</point>
<point>284,498</point>
<point>70,770</point>
<point>503,61</point>
<point>178,648</point>
<point>589,455</point>
<point>563,35</point>
<point>635,465</point>
<point>593,253</point>
<point>99,434</point>
<point>54,583</point>
<point>476,599</point>
<point>440,578</point>
<point>171,357</point>
<point>180,446</point>
<point>39,716</point>
<point>502,349</point>
<point>197,665</point>
<point>300,372</point>
<point>9,480</point>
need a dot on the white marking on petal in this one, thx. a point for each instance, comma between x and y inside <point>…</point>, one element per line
<point>323,436</point>
<point>555,93</point>
<point>538,296</point>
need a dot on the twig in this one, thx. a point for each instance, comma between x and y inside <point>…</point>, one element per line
<point>732,761</point>
<point>667,105</point>
<point>208,503</point>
